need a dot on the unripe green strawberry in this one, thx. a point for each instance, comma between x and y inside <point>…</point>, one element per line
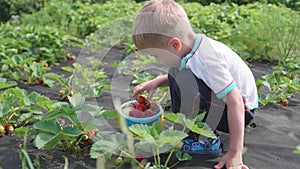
<point>119,160</point>
<point>85,137</point>
<point>1,128</point>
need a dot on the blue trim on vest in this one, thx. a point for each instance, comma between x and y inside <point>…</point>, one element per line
<point>256,104</point>
<point>184,59</point>
<point>226,90</point>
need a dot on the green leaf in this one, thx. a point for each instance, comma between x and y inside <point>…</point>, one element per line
<point>60,105</point>
<point>203,129</point>
<point>92,109</point>
<point>141,130</point>
<point>46,138</point>
<point>156,129</point>
<point>5,84</point>
<point>73,117</point>
<point>267,84</point>
<point>188,123</point>
<point>86,126</point>
<point>201,115</point>
<point>277,77</point>
<point>175,118</point>
<point>47,126</point>
<point>72,132</point>
<point>53,115</point>
<point>54,76</point>
<point>102,147</point>
<point>182,156</point>
<point>111,115</point>
<point>24,117</point>
<point>20,132</point>
<point>68,69</point>
<point>171,137</point>
<point>30,99</point>
<point>4,107</point>
<point>77,101</point>
<point>45,103</point>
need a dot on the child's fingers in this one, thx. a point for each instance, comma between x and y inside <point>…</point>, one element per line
<point>220,165</point>
<point>150,94</point>
<point>136,91</point>
<point>244,167</point>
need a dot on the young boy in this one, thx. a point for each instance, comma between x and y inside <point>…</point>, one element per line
<point>201,69</point>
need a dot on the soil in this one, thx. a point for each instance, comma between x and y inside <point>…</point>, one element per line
<point>269,146</point>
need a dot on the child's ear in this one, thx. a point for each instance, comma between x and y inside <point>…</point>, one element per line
<point>175,43</point>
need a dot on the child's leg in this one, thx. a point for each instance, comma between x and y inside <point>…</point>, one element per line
<point>184,87</point>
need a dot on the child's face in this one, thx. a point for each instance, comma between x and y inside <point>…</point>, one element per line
<point>167,54</point>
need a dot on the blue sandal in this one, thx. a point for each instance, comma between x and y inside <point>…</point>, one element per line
<point>207,147</point>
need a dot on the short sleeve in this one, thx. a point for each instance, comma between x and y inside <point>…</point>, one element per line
<point>212,68</point>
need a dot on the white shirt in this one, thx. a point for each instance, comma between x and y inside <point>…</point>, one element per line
<point>222,69</point>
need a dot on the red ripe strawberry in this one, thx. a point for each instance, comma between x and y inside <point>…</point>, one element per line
<point>147,104</point>
<point>285,103</point>
<point>149,113</point>
<point>140,106</point>
<point>136,57</point>
<point>41,81</point>
<point>90,134</point>
<point>9,128</point>
<point>67,41</point>
<point>131,113</point>
<point>141,99</point>
<point>139,157</point>
<point>154,107</point>
<point>69,57</point>
<point>137,113</point>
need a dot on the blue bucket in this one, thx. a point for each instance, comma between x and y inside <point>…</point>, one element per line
<point>133,120</point>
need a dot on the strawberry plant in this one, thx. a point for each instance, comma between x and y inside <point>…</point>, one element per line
<point>50,133</point>
<point>26,70</point>
<point>89,81</point>
<point>41,43</point>
<point>64,83</point>
<point>148,139</point>
<point>282,84</point>
<point>18,108</point>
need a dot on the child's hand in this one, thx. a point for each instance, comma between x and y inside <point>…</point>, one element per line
<point>231,160</point>
<point>149,86</point>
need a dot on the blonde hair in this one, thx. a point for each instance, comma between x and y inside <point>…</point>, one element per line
<point>158,20</point>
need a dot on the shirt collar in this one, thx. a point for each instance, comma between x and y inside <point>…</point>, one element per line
<point>185,59</point>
